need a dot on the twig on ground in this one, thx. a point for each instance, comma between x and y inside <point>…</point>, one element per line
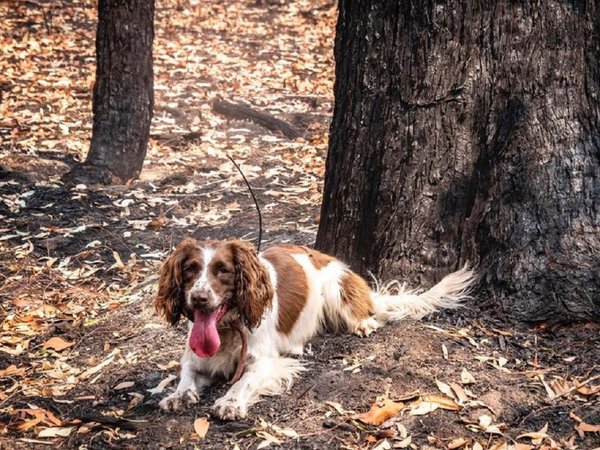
<point>574,388</point>
<point>310,388</point>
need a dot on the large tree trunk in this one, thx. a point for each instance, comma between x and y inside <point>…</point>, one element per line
<point>470,132</point>
<point>123,92</point>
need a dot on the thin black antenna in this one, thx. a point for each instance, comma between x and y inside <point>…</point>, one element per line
<point>255,202</point>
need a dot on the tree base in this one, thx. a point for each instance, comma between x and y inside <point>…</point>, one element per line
<point>87,174</point>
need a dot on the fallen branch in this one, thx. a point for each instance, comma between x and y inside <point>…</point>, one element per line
<point>243,112</point>
<point>170,137</point>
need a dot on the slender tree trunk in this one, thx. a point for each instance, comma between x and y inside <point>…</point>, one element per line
<point>470,132</point>
<point>123,92</point>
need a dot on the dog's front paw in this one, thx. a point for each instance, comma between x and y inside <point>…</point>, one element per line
<point>229,409</point>
<point>179,399</point>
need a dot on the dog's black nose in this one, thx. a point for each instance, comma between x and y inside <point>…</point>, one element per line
<point>200,299</point>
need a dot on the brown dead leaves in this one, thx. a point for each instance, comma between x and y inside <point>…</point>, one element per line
<point>483,425</point>
<point>49,291</point>
<point>386,414</point>
<point>380,412</point>
<point>26,67</point>
<point>562,387</point>
<point>582,427</point>
<point>429,403</point>
<point>13,371</point>
<point>27,418</point>
<point>57,343</point>
<point>272,434</point>
<point>201,426</point>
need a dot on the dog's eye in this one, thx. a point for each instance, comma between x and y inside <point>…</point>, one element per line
<point>224,270</point>
<point>191,268</point>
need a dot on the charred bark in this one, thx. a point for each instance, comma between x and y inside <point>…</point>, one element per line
<point>470,132</point>
<point>123,92</point>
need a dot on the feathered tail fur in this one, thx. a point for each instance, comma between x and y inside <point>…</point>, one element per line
<point>393,301</point>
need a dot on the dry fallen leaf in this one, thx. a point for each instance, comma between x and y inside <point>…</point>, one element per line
<point>136,399</point>
<point>588,391</point>
<point>485,424</point>
<point>404,443</point>
<point>371,439</point>
<point>26,425</point>
<point>466,377</point>
<point>55,432</point>
<point>268,439</point>
<point>444,402</point>
<point>457,443</point>
<point>57,343</point>
<point>21,302</point>
<point>383,445</point>
<point>285,431</point>
<point>499,446</point>
<point>461,395</point>
<point>170,365</point>
<point>560,386</point>
<point>157,223</point>
<point>549,391</point>
<point>503,332</point>
<point>420,408</point>
<point>337,406</point>
<point>39,416</point>
<point>575,417</point>
<point>588,428</point>
<point>536,436</point>
<point>123,385</point>
<point>97,368</point>
<point>380,412</point>
<point>160,387</point>
<point>12,370</point>
<point>519,446</point>
<point>201,426</point>
<point>444,388</point>
<point>401,430</point>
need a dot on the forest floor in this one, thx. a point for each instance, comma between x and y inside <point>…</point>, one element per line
<point>84,360</point>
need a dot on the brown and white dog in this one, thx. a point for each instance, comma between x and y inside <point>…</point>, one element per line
<point>283,297</point>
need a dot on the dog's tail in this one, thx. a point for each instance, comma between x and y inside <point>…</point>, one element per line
<point>393,302</point>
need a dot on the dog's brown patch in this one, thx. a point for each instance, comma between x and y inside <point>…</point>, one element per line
<point>292,285</point>
<point>356,295</point>
<point>318,259</point>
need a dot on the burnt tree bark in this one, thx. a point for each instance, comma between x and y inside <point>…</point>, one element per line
<point>123,92</point>
<point>470,131</point>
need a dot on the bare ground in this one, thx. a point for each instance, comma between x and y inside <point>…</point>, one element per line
<point>79,264</point>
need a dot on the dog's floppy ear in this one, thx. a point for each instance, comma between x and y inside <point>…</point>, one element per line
<point>170,300</point>
<point>254,291</point>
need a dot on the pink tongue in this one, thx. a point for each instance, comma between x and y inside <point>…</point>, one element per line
<point>204,339</point>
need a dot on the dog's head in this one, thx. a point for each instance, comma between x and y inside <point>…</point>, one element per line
<point>213,283</point>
